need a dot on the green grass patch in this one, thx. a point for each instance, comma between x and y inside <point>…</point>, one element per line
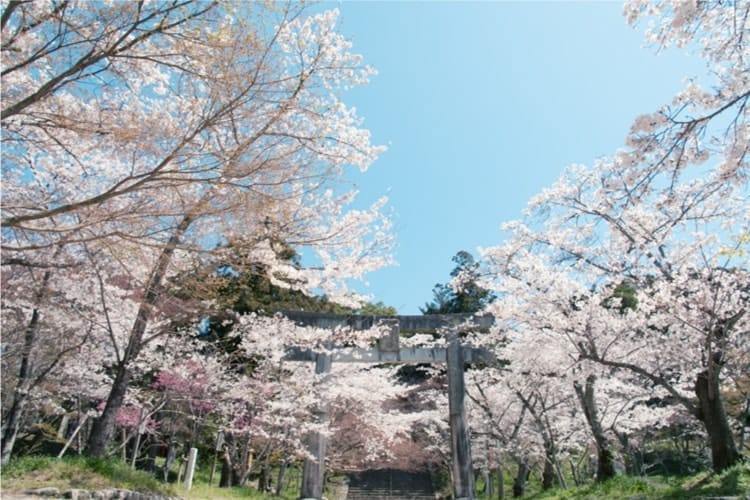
<point>734,482</point>
<point>94,474</point>
<point>78,472</point>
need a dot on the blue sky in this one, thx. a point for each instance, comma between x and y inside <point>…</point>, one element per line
<point>482,105</point>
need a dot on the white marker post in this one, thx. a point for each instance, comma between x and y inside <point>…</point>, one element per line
<point>190,468</point>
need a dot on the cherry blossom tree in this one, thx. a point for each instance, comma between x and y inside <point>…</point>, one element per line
<point>51,317</point>
<point>527,404</point>
<point>660,217</point>
<point>161,132</point>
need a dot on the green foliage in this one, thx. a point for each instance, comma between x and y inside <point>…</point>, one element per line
<point>248,288</point>
<point>235,286</point>
<point>20,466</point>
<point>732,482</point>
<point>78,472</point>
<point>470,298</point>
<point>377,309</point>
<point>623,297</point>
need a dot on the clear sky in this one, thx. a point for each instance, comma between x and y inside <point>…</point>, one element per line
<point>482,105</point>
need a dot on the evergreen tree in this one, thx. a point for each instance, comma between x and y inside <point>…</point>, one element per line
<point>467,297</point>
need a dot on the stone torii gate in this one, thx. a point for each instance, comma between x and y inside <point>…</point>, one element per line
<point>389,351</point>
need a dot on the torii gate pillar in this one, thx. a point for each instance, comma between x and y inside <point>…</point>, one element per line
<point>461,465</point>
<point>313,472</point>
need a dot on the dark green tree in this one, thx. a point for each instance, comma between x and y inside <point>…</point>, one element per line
<point>235,286</point>
<point>470,297</point>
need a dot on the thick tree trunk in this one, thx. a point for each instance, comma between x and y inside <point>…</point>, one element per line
<point>605,465</point>
<point>104,426</point>
<point>153,452</point>
<point>226,472</point>
<point>548,473</point>
<point>519,483</point>
<point>723,450</point>
<point>227,466</point>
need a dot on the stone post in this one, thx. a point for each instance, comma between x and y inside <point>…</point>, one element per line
<point>192,457</point>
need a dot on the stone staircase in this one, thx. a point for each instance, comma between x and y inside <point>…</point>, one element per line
<point>390,484</point>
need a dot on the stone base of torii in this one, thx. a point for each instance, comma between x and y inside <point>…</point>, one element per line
<point>389,351</point>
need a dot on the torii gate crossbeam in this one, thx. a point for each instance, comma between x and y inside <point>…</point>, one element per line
<point>389,351</point>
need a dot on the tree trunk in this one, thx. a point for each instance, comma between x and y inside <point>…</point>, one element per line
<point>62,430</point>
<point>153,452</point>
<point>104,426</point>
<point>227,467</point>
<point>75,435</point>
<point>281,477</point>
<point>245,464</point>
<point>519,483</point>
<point>487,476</point>
<point>548,473</point>
<point>226,472</point>
<point>124,445</point>
<point>10,434</point>
<point>264,484</point>
<point>744,420</point>
<point>23,383</point>
<point>171,455</point>
<point>605,465</point>
<point>723,451</point>
<point>81,418</point>
<point>500,478</point>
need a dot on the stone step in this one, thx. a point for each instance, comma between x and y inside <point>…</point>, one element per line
<point>386,492</point>
<point>390,484</point>
<point>393,495</point>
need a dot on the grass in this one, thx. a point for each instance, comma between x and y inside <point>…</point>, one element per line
<point>94,474</point>
<point>202,490</point>
<point>734,482</point>
<point>33,472</point>
<point>78,472</point>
